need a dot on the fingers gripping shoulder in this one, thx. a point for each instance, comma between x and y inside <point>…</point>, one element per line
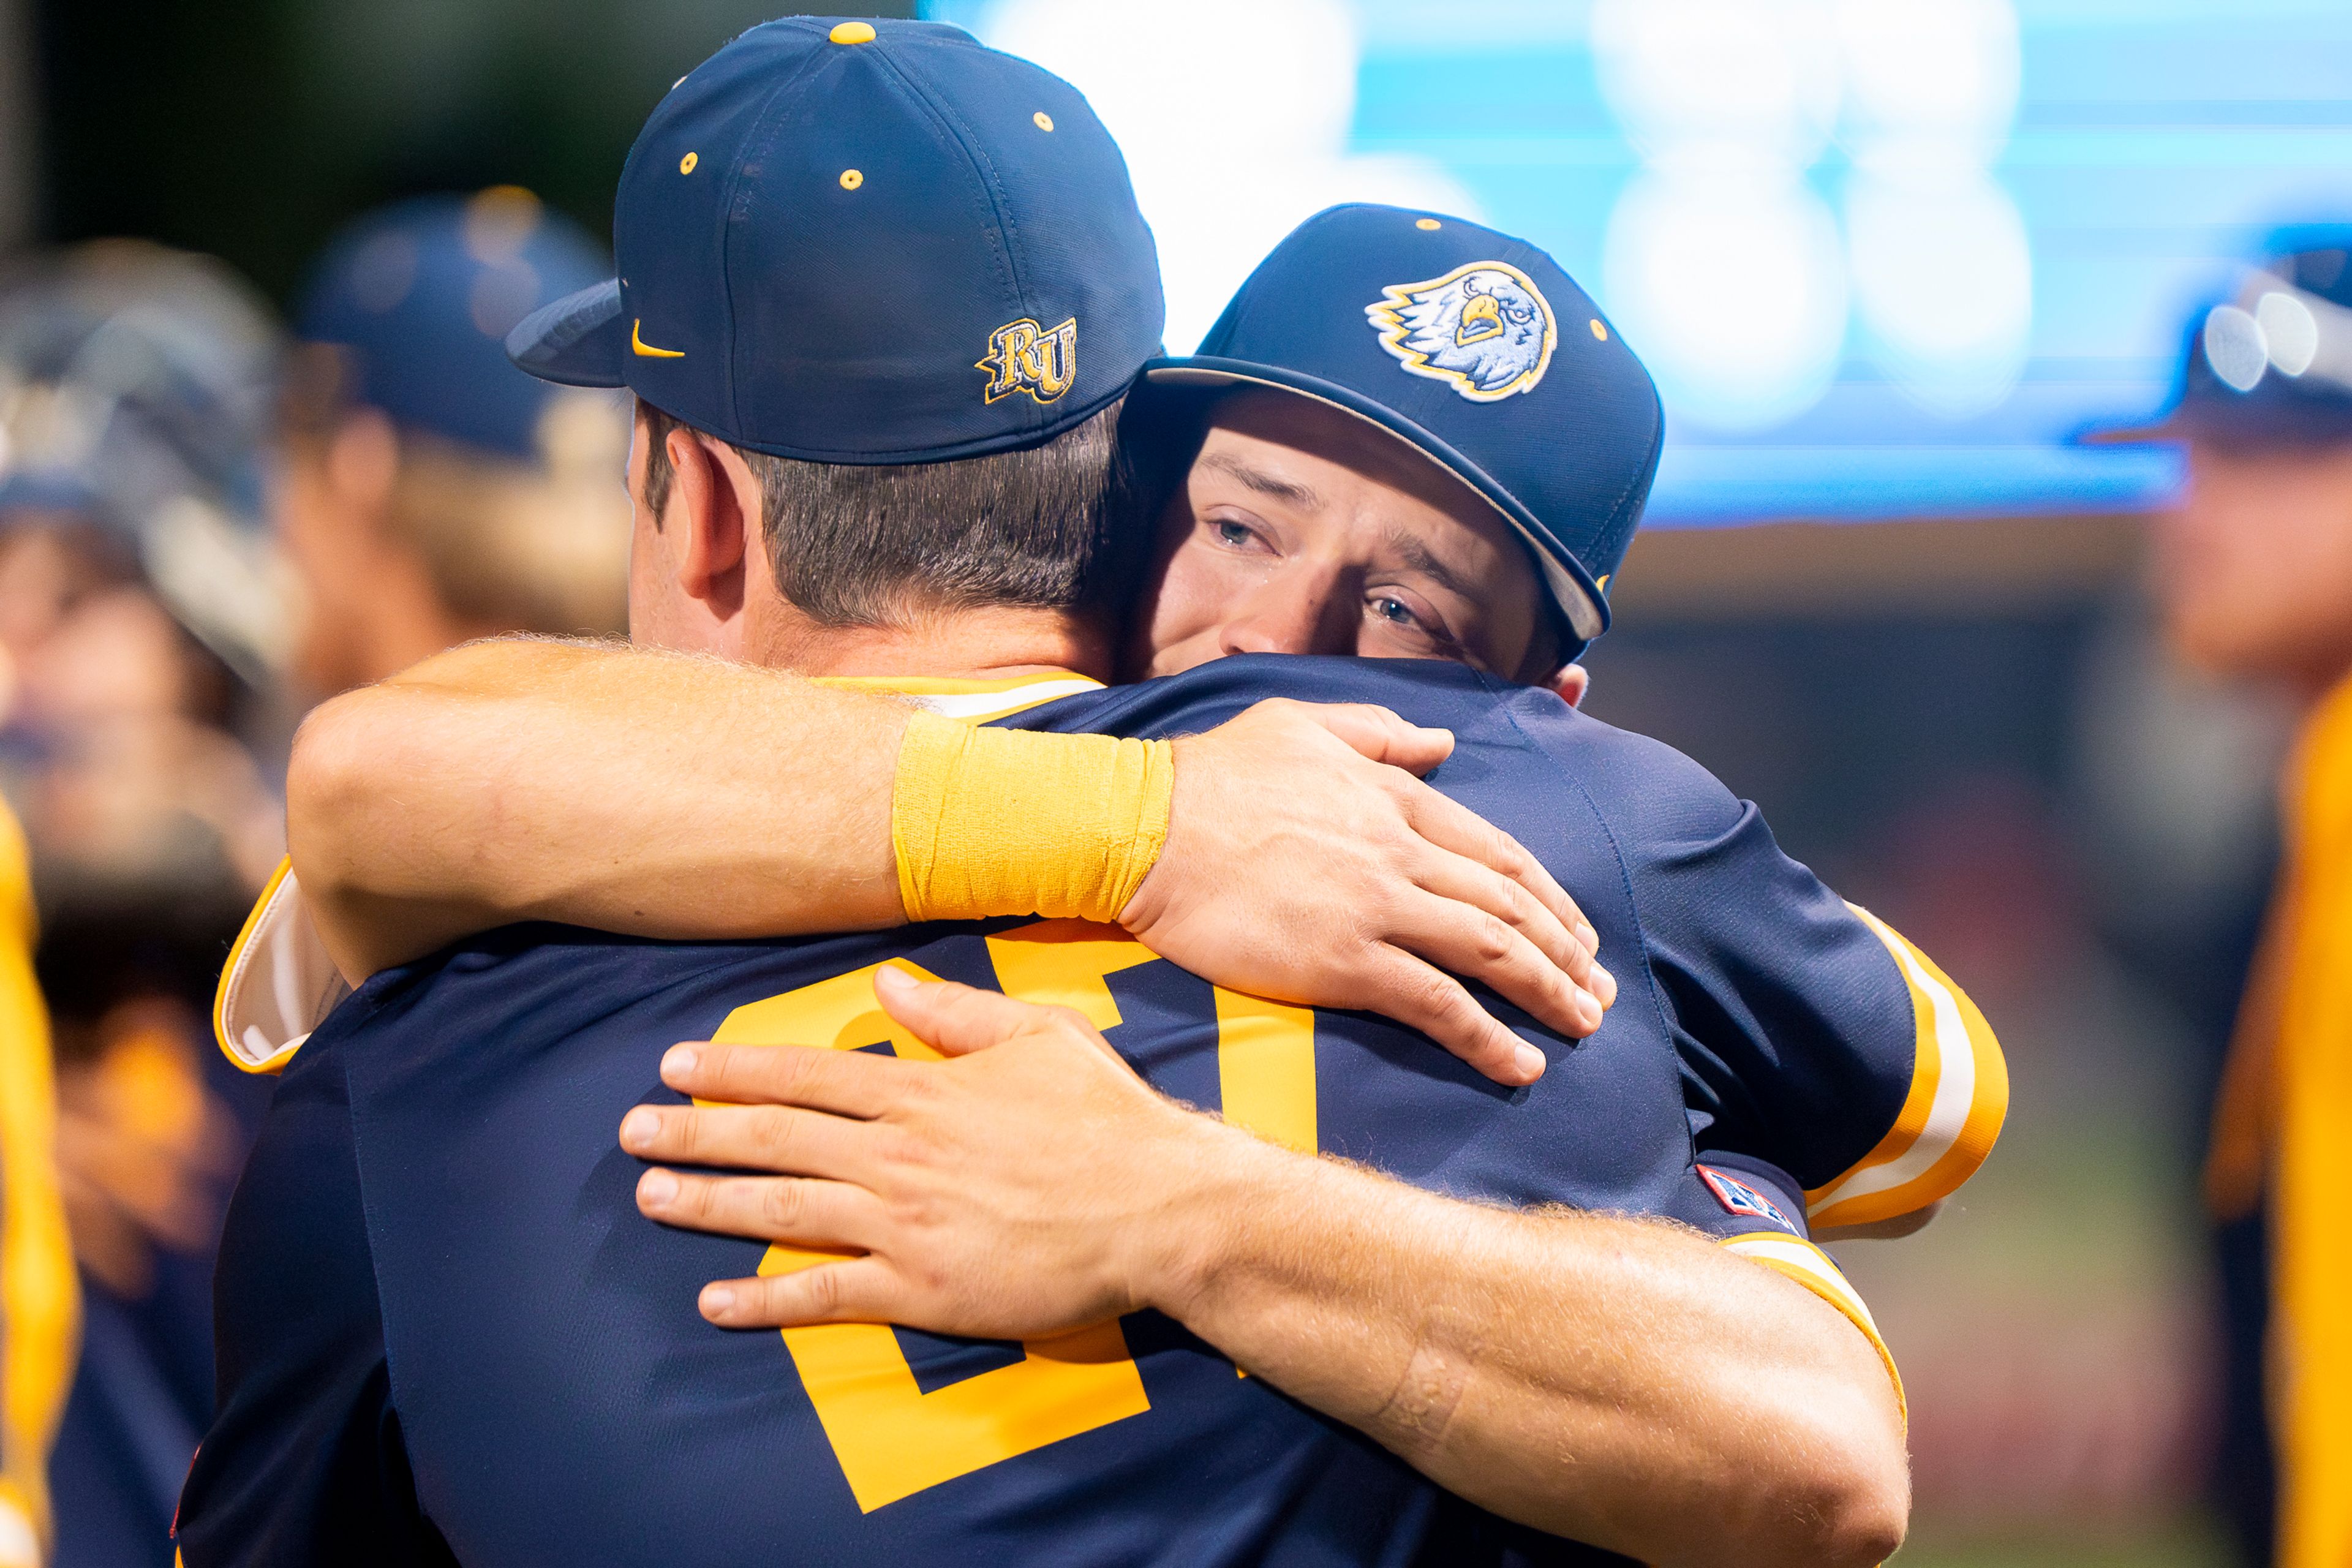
<point>1950,1117</point>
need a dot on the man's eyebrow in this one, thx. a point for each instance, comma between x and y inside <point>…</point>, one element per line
<point>1264,483</point>
<point>1418,557</point>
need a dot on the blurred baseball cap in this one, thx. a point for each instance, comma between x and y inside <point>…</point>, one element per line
<point>420,295</point>
<point>1474,347</point>
<point>136,390</point>
<point>866,242</point>
<point>2272,362</point>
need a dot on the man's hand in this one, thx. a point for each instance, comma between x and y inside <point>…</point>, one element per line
<point>1298,864</point>
<point>1717,1411</point>
<point>1028,1189</point>
<point>1305,863</point>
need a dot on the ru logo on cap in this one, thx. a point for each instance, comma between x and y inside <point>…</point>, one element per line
<point>1484,328</point>
<point>1025,357</point>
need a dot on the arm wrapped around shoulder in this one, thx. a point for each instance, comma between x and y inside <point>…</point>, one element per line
<point>995,822</point>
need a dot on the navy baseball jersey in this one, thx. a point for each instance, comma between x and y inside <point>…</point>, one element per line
<point>446,1334</point>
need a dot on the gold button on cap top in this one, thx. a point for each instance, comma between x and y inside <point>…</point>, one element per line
<point>850,179</point>
<point>1600,332</point>
<point>1426,223</point>
<point>853,33</point>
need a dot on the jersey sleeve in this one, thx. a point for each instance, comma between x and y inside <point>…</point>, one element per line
<point>1952,1111</point>
<point>1754,1209</point>
<point>304,1463</point>
<point>1810,1033</point>
<point>279,983</point>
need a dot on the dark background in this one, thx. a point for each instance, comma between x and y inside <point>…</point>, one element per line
<point>250,128</point>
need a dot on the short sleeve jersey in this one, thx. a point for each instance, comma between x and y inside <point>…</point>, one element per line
<point>1809,1033</point>
<point>446,1331</point>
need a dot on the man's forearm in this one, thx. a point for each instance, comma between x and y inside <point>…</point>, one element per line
<point>1621,1382</point>
<point>557,768</point>
<point>1624,1383</point>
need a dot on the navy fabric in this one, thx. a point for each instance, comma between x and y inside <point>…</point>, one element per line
<point>1792,1026</point>
<point>319,1473</point>
<point>554,1395</point>
<point>822,245</point>
<point>1538,405</point>
<point>422,295</point>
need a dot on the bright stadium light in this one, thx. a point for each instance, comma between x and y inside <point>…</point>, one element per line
<point>1719,83</point>
<point>1733,289</point>
<point>2235,347</point>
<point>1719,261</point>
<point>1931,80</point>
<point>1943,276</point>
<point>2290,332</point>
<point>1943,284</point>
<point>1233,115</point>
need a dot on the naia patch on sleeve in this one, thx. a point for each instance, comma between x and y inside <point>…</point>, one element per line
<point>1737,1197</point>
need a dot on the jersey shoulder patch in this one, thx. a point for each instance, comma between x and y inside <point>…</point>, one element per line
<point>1739,1198</point>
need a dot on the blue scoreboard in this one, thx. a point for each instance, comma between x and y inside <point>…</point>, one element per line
<point>1885,258</point>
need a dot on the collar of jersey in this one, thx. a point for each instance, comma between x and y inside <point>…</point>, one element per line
<point>975,702</point>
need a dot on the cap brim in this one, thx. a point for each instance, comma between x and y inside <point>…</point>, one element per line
<point>1571,587</point>
<point>2172,424</point>
<point>578,340</point>
<point>2245,422</point>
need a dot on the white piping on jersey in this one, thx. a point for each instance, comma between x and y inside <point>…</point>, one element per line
<point>981,706</point>
<point>1956,1085</point>
<point>1817,1271</point>
<point>1815,1265</point>
<point>279,983</point>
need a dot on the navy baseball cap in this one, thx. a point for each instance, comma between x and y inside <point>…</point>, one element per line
<point>2272,362</point>
<point>1474,347</point>
<point>866,242</point>
<point>421,296</point>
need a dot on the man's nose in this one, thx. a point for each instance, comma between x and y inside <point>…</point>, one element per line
<point>1297,612</point>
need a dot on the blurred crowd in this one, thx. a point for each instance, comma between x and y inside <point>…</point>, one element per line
<point>208,520</point>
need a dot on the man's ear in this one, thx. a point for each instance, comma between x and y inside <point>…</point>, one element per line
<point>1571,681</point>
<point>362,460</point>
<point>706,504</point>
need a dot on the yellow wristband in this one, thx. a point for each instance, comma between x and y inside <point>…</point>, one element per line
<point>1007,822</point>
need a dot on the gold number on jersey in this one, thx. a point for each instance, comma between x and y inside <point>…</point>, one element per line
<point>891,1438</point>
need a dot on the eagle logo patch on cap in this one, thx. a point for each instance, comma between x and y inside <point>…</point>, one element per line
<point>1484,328</point>
<point>1025,357</point>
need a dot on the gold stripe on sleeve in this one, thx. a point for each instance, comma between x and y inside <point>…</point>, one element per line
<point>1814,1269</point>
<point>1958,1097</point>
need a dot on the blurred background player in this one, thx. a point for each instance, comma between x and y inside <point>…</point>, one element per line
<point>157,650</point>
<point>433,492</point>
<point>2254,580</point>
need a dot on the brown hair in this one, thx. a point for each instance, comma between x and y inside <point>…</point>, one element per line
<point>1057,526</point>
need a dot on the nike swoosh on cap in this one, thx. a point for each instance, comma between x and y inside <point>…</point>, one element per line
<point>647,350</point>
